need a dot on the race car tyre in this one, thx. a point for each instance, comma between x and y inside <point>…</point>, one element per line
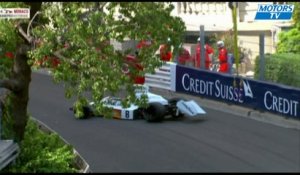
<point>87,112</point>
<point>173,108</point>
<point>154,113</point>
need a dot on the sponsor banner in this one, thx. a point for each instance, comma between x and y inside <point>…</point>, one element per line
<point>244,92</point>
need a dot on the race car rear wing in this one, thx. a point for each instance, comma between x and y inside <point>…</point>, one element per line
<point>189,108</point>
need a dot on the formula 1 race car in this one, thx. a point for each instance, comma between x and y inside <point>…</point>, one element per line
<point>158,107</point>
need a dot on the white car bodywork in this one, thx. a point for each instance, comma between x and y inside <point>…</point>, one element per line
<point>120,112</point>
<point>144,90</point>
<point>187,108</point>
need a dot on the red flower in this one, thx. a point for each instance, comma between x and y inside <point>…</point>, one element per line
<point>55,62</point>
<point>165,53</point>
<point>143,43</point>
<point>9,55</point>
<point>132,61</point>
<point>139,80</point>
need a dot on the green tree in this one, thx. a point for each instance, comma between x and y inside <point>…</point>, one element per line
<point>16,78</point>
<point>296,14</point>
<point>289,40</point>
<point>79,35</point>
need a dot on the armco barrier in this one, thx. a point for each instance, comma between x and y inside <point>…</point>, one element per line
<point>264,96</point>
<point>9,151</point>
<point>79,161</point>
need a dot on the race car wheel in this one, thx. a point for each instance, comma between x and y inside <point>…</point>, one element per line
<point>87,112</point>
<point>154,113</point>
<point>173,108</point>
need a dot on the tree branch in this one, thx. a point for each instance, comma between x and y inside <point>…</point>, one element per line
<point>9,84</point>
<point>30,22</point>
<point>103,5</point>
<point>59,56</point>
<point>3,95</point>
<point>23,34</point>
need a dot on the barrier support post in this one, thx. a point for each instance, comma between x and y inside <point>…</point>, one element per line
<point>0,119</point>
<point>262,56</point>
<point>202,52</point>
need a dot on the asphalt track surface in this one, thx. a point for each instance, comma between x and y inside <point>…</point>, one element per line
<point>219,142</point>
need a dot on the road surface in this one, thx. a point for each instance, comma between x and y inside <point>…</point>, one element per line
<point>220,142</point>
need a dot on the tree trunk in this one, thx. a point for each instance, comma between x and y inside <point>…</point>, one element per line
<point>20,95</point>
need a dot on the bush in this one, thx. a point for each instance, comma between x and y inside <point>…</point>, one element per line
<point>43,153</point>
<point>281,68</point>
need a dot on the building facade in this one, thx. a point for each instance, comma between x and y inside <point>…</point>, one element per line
<point>217,18</point>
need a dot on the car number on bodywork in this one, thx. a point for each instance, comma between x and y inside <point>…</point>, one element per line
<point>123,114</point>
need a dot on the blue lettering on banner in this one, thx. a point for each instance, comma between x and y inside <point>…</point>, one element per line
<point>249,93</point>
<point>274,12</point>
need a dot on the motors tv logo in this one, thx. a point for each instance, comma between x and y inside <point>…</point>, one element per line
<point>274,12</point>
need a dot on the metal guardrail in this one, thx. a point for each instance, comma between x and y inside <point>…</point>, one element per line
<point>79,160</point>
<point>9,151</point>
<point>0,119</point>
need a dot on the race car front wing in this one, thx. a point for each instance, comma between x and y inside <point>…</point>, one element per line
<point>189,108</point>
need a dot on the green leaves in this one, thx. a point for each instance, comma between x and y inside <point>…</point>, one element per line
<point>78,107</point>
<point>289,41</point>
<point>296,14</point>
<point>43,153</point>
<point>8,43</point>
<point>90,62</point>
<point>82,32</point>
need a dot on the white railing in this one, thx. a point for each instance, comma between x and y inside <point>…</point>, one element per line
<point>162,77</point>
<point>202,8</point>
<point>215,16</point>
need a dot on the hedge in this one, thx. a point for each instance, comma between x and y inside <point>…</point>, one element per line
<point>283,68</point>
